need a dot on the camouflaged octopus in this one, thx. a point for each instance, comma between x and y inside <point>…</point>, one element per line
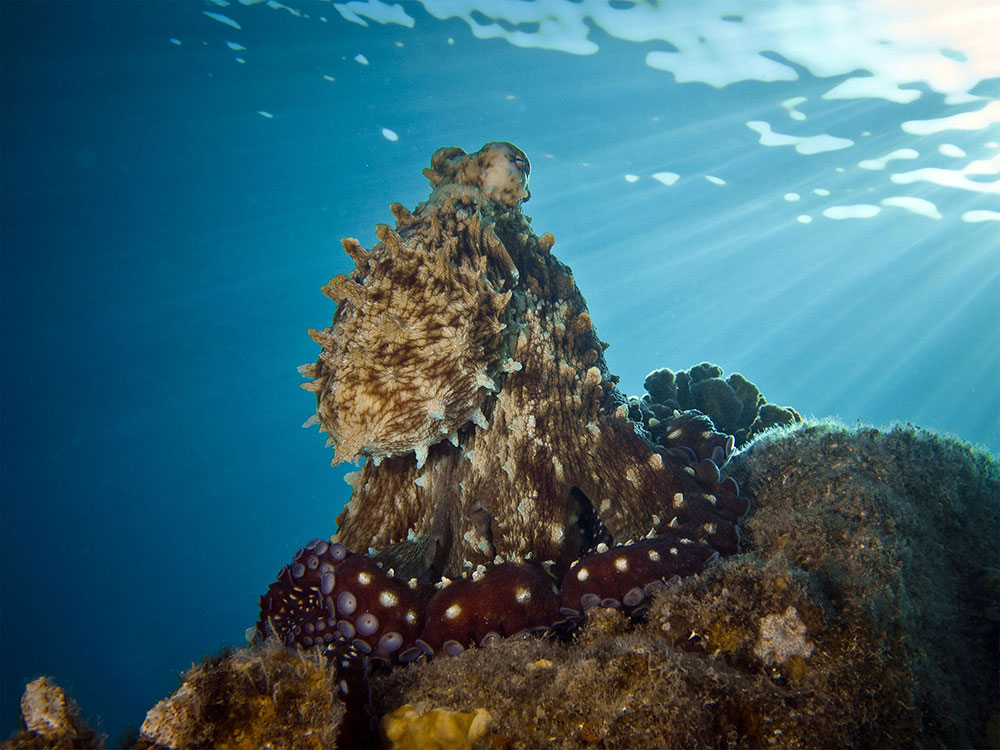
<point>502,486</point>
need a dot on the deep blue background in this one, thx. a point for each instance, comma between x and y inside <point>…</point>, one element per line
<point>163,248</point>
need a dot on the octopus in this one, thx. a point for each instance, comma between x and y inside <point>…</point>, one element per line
<point>501,486</point>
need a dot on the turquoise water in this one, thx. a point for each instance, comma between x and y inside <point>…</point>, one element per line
<point>172,204</point>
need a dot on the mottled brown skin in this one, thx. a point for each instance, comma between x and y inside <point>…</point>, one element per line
<point>529,467</point>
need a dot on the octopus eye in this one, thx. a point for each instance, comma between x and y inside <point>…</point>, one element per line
<point>522,164</point>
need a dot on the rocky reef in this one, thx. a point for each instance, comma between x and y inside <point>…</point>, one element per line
<point>529,558</point>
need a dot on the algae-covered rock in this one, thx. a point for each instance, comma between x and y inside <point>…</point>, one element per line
<point>51,719</point>
<point>259,697</point>
<point>861,613</point>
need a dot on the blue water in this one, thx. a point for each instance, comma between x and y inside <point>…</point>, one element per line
<point>164,243</point>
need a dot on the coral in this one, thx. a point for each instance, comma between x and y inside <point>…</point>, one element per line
<point>734,404</point>
<point>259,697</point>
<point>438,729</point>
<point>502,478</point>
<point>51,720</point>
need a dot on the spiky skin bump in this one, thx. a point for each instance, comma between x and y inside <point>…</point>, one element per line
<point>462,362</point>
<point>400,372</point>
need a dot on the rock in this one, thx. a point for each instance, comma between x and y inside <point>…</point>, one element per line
<point>51,719</point>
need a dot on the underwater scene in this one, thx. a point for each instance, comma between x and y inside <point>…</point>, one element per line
<point>664,379</point>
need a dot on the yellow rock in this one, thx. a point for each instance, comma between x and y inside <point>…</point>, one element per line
<point>438,729</point>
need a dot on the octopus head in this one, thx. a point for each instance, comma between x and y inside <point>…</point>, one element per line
<point>498,171</point>
<point>504,171</point>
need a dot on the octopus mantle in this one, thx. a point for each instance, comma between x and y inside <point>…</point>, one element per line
<point>502,486</point>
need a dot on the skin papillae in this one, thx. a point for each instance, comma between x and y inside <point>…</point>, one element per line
<point>463,369</point>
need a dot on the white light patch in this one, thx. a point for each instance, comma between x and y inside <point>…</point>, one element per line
<point>389,135</point>
<point>902,153</point>
<point>821,191</point>
<point>803,218</point>
<point>792,197</point>
<point>804,144</point>
<point>329,78</point>
<point>235,46</point>
<point>956,178</point>
<point>872,87</point>
<point>790,105</point>
<point>359,58</point>
<point>631,178</point>
<point>913,205</point>
<point>709,62</point>
<point>974,217</point>
<point>374,10</point>
<point>175,40</point>
<point>858,211</point>
<point>265,113</point>
<point>950,149</point>
<point>275,5</point>
<point>222,19</point>
<point>978,119</point>
<point>667,178</point>
<point>715,180</point>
